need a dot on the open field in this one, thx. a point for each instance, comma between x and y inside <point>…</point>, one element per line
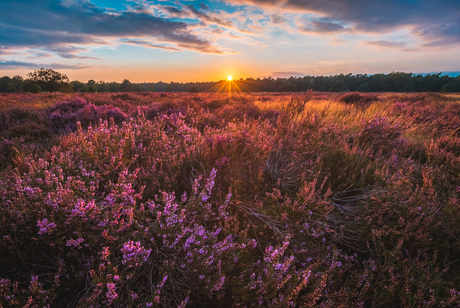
<point>210,200</point>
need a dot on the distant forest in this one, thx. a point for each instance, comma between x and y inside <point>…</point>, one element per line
<point>47,80</point>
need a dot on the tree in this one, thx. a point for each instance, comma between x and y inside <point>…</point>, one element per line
<point>17,83</point>
<point>49,80</point>
<point>79,86</point>
<point>5,84</point>
<point>126,86</point>
<point>35,88</point>
<point>451,87</point>
<point>102,87</point>
<point>339,86</point>
<point>287,86</point>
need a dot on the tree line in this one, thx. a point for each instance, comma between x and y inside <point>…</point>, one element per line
<point>48,80</point>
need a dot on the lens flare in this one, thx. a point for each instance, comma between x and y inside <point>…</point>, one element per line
<point>229,78</point>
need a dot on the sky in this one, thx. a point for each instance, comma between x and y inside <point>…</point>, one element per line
<point>186,41</point>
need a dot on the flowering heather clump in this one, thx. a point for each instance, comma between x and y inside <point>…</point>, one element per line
<point>358,98</point>
<point>64,116</point>
<point>248,204</point>
<point>379,134</point>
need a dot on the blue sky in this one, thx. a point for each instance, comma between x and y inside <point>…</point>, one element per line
<point>208,40</point>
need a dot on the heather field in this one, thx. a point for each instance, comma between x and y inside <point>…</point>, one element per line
<point>250,200</point>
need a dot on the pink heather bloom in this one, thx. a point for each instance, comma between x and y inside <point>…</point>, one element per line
<point>45,227</point>
<point>111,293</point>
<point>105,253</point>
<point>133,251</point>
<point>75,243</point>
<point>219,284</point>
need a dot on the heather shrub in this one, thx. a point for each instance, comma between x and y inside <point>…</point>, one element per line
<point>64,116</point>
<point>29,132</point>
<point>215,104</point>
<point>26,124</point>
<point>302,204</point>
<point>19,116</point>
<point>124,97</point>
<point>239,112</point>
<point>70,106</point>
<point>358,98</point>
<point>271,116</point>
<point>297,104</point>
<point>7,152</point>
<point>379,135</point>
<point>351,98</point>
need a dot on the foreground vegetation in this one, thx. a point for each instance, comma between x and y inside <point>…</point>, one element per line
<point>159,200</point>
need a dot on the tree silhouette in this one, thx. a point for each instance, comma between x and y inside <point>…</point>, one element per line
<point>49,80</point>
<point>126,86</point>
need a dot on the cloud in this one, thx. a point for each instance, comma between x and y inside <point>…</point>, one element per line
<point>148,44</point>
<point>43,23</point>
<point>6,51</point>
<point>389,44</point>
<point>323,27</point>
<point>206,17</point>
<point>39,54</point>
<point>277,19</point>
<point>68,52</point>
<point>203,7</point>
<point>7,65</point>
<point>286,74</point>
<point>436,22</point>
<point>175,11</point>
<point>217,31</point>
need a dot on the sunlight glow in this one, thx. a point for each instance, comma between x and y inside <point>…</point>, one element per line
<point>229,78</point>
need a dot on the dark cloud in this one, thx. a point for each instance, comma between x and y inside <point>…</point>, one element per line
<point>42,23</point>
<point>206,17</point>
<point>28,37</point>
<point>277,19</point>
<point>174,10</point>
<point>148,44</point>
<point>203,7</point>
<point>39,54</point>
<point>217,31</point>
<point>389,44</point>
<point>7,65</point>
<point>286,74</point>
<point>68,52</point>
<point>5,51</point>
<point>323,27</point>
<point>437,22</point>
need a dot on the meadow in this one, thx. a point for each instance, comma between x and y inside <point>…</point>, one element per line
<point>209,200</point>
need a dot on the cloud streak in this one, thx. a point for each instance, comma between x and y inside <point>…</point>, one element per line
<point>148,44</point>
<point>382,44</point>
<point>7,65</point>
<point>208,18</point>
<point>323,27</point>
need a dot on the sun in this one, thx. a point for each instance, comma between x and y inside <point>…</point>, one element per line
<point>229,78</point>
